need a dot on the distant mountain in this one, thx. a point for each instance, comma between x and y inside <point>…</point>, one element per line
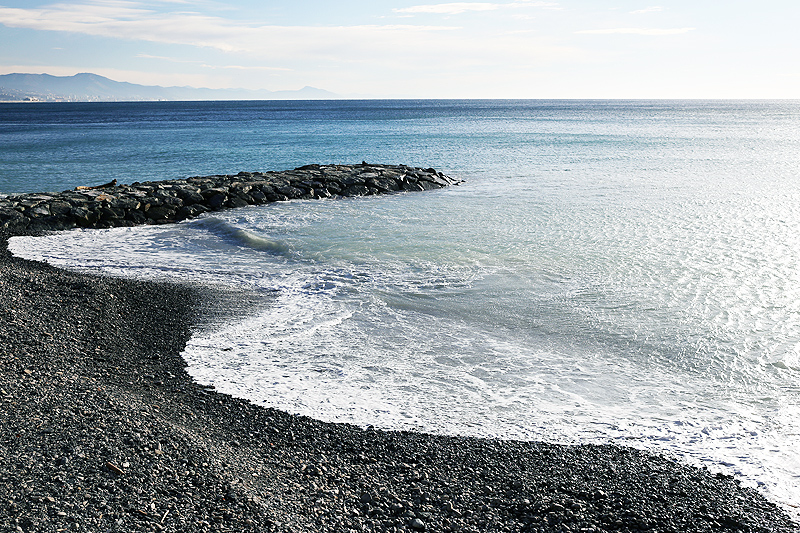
<point>91,87</point>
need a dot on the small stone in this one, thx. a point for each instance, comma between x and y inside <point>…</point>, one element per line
<point>417,524</point>
<point>449,508</point>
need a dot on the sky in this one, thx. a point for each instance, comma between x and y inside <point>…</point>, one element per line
<point>414,49</point>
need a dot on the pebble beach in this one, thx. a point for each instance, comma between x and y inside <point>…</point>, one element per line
<point>103,430</point>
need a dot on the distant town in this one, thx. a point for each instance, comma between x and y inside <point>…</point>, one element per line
<point>7,95</point>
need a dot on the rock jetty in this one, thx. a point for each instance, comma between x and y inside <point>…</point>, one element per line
<point>160,202</point>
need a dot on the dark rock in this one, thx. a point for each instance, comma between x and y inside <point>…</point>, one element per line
<point>413,186</point>
<point>435,179</point>
<point>290,191</point>
<point>427,185</point>
<point>217,201</point>
<point>60,207</point>
<point>164,193</point>
<point>187,211</point>
<point>160,212</point>
<point>236,201</point>
<point>265,188</point>
<point>55,223</point>
<point>151,201</point>
<point>213,191</point>
<point>384,184</point>
<point>172,201</point>
<point>136,216</point>
<point>258,197</point>
<point>125,203</point>
<point>39,211</point>
<point>352,180</point>
<point>107,213</point>
<point>355,190</point>
<point>333,187</point>
<point>13,220</point>
<point>83,217</point>
<point>190,196</point>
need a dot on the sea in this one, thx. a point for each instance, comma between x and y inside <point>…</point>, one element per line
<point>609,271</point>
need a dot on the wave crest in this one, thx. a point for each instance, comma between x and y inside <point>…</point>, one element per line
<point>242,237</point>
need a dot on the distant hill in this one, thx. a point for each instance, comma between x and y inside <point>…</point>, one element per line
<point>91,87</point>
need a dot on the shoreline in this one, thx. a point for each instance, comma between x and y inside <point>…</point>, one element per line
<point>105,431</point>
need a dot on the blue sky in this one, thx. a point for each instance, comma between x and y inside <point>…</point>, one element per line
<point>419,49</point>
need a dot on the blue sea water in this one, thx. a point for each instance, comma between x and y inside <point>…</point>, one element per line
<point>610,271</point>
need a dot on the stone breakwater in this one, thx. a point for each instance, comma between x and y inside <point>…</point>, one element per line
<point>160,202</point>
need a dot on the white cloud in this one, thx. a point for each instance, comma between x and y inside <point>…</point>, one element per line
<point>124,20</point>
<point>265,55</point>
<point>244,67</point>
<point>638,31</point>
<point>651,9</point>
<point>544,5</point>
<point>456,8</point>
<point>206,65</point>
<point>127,20</point>
<point>450,9</point>
<point>170,59</point>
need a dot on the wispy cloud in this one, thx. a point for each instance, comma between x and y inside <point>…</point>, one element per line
<point>206,65</point>
<point>244,67</point>
<point>126,20</point>
<point>292,52</point>
<point>638,31</point>
<point>170,59</point>
<point>134,21</point>
<point>450,9</point>
<point>651,9</point>
<point>455,8</point>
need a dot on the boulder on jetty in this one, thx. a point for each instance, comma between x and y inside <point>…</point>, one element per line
<point>159,202</point>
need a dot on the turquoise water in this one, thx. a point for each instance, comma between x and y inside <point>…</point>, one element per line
<point>609,271</point>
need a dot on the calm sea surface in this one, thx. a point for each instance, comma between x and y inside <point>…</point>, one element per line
<point>610,271</point>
